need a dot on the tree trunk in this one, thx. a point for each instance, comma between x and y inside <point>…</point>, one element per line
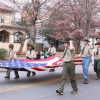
<point>33,34</point>
<point>22,44</point>
<point>77,46</point>
<point>57,44</point>
<point>88,18</point>
<point>23,41</point>
<point>21,48</point>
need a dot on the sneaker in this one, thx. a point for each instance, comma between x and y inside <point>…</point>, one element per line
<point>8,77</point>
<point>74,92</point>
<point>86,82</point>
<point>59,92</point>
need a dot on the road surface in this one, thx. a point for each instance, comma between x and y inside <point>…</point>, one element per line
<point>44,84</point>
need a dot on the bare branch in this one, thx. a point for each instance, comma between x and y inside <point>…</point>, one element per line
<point>52,12</point>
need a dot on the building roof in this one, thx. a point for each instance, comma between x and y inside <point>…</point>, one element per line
<point>12,27</point>
<point>6,7</point>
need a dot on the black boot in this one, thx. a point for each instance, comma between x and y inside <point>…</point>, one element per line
<point>8,77</point>
<point>33,73</point>
<point>28,74</point>
<point>59,92</point>
<point>16,77</point>
<point>52,70</point>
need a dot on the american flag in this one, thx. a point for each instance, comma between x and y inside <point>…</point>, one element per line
<point>36,65</point>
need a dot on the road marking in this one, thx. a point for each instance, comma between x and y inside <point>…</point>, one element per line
<point>32,85</point>
<point>28,86</point>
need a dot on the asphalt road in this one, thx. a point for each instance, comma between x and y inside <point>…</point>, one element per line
<point>44,84</point>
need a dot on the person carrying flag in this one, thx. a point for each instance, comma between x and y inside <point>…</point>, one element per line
<point>68,68</point>
<point>30,55</point>
<point>51,52</point>
<point>86,54</point>
<point>97,60</point>
<point>11,57</point>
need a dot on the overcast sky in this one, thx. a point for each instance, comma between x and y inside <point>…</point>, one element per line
<point>22,2</point>
<point>17,15</point>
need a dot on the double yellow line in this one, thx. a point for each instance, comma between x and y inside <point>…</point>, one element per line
<point>27,86</point>
<point>31,85</point>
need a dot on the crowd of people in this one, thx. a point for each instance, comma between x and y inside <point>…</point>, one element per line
<point>30,55</point>
<point>87,54</point>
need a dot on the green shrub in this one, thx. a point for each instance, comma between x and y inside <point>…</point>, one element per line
<point>3,53</point>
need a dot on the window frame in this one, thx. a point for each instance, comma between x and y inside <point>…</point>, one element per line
<point>2,18</point>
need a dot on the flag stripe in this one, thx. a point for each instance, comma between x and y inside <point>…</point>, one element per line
<point>36,65</point>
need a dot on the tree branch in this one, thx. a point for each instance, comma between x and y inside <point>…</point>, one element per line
<point>53,12</point>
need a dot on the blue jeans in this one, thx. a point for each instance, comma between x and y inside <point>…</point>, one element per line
<point>85,64</point>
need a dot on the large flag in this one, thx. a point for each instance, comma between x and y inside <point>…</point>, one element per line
<point>36,65</point>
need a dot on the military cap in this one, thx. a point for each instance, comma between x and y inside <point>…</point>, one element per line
<point>11,46</point>
<point>51,43</point>
<point>86,39</point>
<point>66,40</point>
<point>30,44</point>
<point>98,43</point>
